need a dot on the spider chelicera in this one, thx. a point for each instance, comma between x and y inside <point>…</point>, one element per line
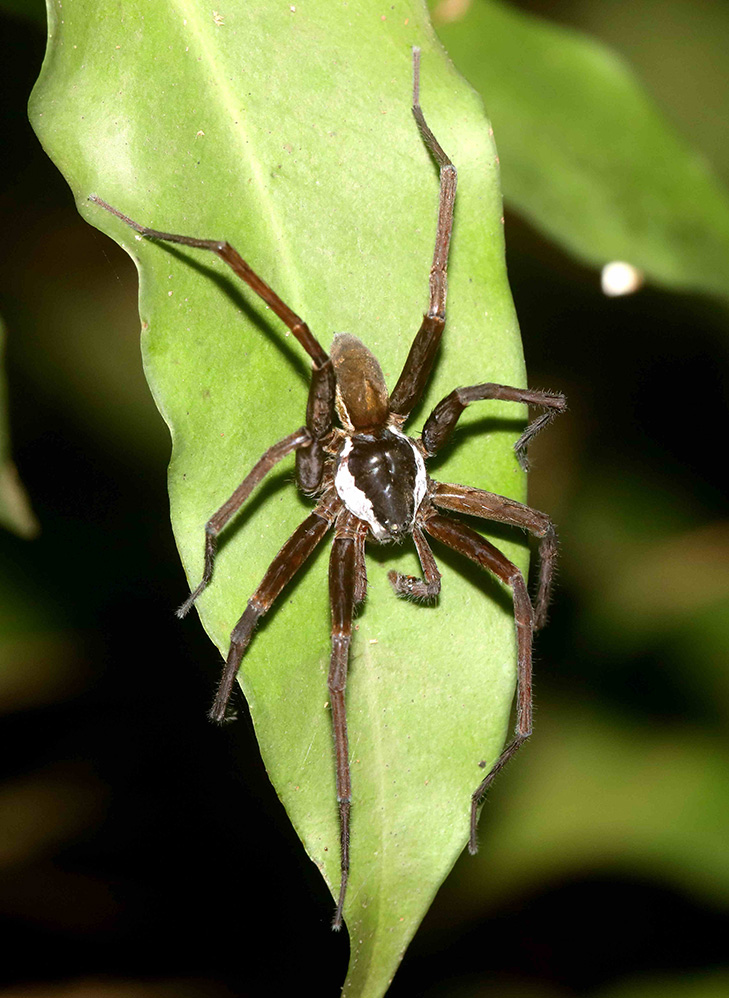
<point>372,484</point>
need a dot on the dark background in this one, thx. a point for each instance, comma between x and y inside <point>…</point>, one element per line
<point>143,852</point>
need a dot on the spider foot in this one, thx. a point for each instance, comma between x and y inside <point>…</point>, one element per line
<point>472,839</point>
<point>411,587</point>
<point>344,808</point>
<point>184,608</point>
<point>219,710</point>
<point>338,920</point>
<point>521,456</point>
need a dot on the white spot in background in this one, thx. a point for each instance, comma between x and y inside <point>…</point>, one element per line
<point>620,278</point>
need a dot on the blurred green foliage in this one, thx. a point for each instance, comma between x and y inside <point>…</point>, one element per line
<point>15,511</point>
<point>587,156</point>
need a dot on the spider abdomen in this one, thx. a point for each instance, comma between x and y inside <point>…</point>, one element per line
<point>381,478</point>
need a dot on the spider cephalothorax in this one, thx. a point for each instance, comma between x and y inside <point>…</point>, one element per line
<point>379,473</point>
<point>370,482</point>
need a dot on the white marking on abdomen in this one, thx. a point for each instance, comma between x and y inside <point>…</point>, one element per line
<point>354,498</point>
<point>359,503</point>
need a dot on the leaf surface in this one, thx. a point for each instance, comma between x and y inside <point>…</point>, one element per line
<point>287,131</point>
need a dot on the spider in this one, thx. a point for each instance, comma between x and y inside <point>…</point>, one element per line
<point>371,484</point>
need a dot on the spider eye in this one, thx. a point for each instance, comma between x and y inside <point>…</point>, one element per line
<point>393,527</point>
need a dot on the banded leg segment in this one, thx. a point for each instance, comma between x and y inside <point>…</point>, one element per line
<point>301,438</point>
<point>343,589</point>
<point>442,420</point>
<point>489,506</point>
<point>419,363</point>
<point>408,585</point>
<point>461,538</point>
<point>281,570</point>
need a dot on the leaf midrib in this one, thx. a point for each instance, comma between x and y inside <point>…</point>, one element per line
<point>274,225</point>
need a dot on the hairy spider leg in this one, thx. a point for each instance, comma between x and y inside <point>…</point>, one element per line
<point>282,569</point>
<point>319,419</point>
<point>239,266</point>
<point>489,506</point>
<point>360,564</point>
<point>419,363</point>
<point>462,539</point>
<point>442,420</point>
<point>345,586</point>
<point>301,438</point>
<point>409,585</point>
<point>320,409</point>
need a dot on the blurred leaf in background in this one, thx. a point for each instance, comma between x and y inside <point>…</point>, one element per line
<point>678,49</point>
<point>587,157</point>
<point>15,511</point>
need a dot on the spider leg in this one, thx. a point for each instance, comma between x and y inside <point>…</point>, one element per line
<point>237,264</point>
<point>476,502</point>
<point>467,542</point>
<point>319,418</point>
<point>420,360</point>
<point>360,565</point>
<point>442,420</point>
<point>408,585</point>
<point>301,438</point>
<point>320,410</point>
<point>281,570</point>
<point>345,584</point>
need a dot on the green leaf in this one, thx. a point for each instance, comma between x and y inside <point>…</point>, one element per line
<point>587,157</point>
<point>287,130</point>
<point>15,511</point>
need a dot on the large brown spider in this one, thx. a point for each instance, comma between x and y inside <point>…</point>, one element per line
<point>372,484</point>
